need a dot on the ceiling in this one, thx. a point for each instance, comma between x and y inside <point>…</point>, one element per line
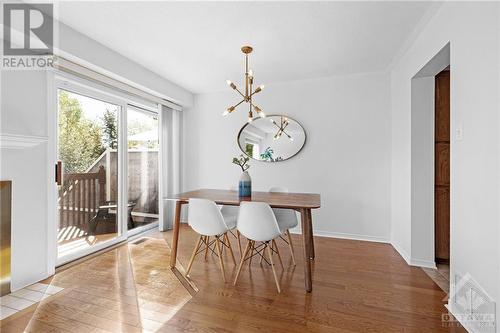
<point>197,44</point>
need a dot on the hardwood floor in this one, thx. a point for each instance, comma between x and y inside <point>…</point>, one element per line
<point>358,287</point>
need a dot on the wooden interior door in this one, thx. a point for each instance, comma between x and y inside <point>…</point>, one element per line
<point>442,167</point>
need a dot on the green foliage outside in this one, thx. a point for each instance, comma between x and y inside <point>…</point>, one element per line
<point>81,140</point>
<point>249,149</point>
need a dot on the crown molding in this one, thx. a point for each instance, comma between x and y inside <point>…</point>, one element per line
<point>16,141</point>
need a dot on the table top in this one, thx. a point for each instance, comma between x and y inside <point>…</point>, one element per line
<point>276,200</point>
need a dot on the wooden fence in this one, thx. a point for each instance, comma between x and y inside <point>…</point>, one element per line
<point>80,196</point>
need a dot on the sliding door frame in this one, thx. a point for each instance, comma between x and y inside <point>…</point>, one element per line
<point>153,111</point>
<point>60,80</point>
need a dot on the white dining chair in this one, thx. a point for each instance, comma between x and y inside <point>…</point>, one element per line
<point>205,218</point>
<point>230,213</point>
<point>256,221</point>
<point>287,219</point>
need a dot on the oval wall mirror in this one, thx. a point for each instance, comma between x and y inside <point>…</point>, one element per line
<point>275,138</point>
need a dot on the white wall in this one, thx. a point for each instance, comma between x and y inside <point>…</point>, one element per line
<point>346,157</point>
<point>472,30</point>
<point>24,111</point>
<point>28,172</point>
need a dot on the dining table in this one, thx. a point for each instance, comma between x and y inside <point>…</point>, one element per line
<point>303,203</point>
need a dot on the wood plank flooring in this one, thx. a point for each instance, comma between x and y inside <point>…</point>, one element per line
<point>358,287</point>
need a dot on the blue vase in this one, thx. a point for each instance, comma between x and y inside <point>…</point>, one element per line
<point>245,185</point>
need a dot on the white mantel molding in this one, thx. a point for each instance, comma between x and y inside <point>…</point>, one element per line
<point>16,141</point>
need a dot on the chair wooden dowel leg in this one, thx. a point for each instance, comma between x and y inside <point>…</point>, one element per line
<point>275,246</point>
<point>198,243</point>
<point>252,247</point>
<point>291,247</point>
<point>226,238</point>
<point>239,242</point>
<point>243,256</point>
<point>221,262</point>
<point>207,242</point>
<point>274,271</point>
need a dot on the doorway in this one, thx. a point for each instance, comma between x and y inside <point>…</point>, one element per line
<point>107,148</point>
<point>88,204</point>
<point>430,237</point>
<point>442,173</point>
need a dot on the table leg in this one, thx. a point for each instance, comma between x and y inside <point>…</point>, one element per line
<point>306,238</point>
<point>311,234</point>
<point>175,236</point>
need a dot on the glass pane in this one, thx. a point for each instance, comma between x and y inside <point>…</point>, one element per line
<point>143,144</point>
<point>88,195</point>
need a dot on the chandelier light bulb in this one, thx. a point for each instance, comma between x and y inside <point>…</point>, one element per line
<point>225,113</point>
<point>262,114</point>
<point>250,72</point>
<point>229,82</point>
<point>262,87</point>
<point>291,139</point>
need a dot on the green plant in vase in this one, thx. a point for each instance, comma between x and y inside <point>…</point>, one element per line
<point>245,184</point>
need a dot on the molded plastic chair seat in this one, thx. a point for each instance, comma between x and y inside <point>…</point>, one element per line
<point>205,217</point>
<point>257,223</point>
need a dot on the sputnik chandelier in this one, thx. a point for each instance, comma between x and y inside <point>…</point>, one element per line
<point>281,128</point>
<point>247,97</point>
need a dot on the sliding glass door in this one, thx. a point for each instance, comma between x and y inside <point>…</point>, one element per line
<point>143,170</point>
<point>88,185</point>
<point>107,167</point>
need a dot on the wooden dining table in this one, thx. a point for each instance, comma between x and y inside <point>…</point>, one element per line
<point>300,202</point>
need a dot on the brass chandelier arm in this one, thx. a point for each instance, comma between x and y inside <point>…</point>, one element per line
<point>239,92</point>
<point>258,90</point>
<point>239,103</point>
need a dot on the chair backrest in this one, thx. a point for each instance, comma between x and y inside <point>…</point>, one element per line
<point>278,189</point>
<point>256,221</point>
<point>281,213</point>
<point>205,217</point>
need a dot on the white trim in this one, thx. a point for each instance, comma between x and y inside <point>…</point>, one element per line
<point>141,229</point>
<point>423,263</point>
<point>52,216</point>
<point>17,141</point>
<point>401,252</point>
<point>412,261</point>
<point>85,252</point>
<point>342,235</point>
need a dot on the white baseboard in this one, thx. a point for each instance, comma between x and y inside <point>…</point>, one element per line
<point>413,261</point>
<point>423,263</point>
<point>341,235</point>
<point>401,252</point>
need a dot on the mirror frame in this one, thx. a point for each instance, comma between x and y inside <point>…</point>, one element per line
<point>267,116</point>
